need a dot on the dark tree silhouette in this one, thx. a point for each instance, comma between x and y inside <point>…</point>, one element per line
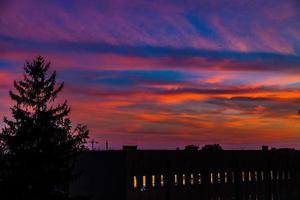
<point>39,144</point>
<point>212,147</point>
<point>191,147</point>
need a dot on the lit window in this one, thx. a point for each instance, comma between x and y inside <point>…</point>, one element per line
<point>232,177</point>
<point>219,177</point>
<point>225,177</point>
<point>283,175</point>
<point>192,179</point>
<point>277,175</point>
<point>144,181</point>
<point>255,176</point>
<point>262,175</point>
<point>183,179</point>
<point>271,175</point>
<point>162,180</point>
<point>243,176</point>
<point>199,179</point>
<point>175,180</point>
<point>211,178</point>
<point>134,182</point>
<point>249,177</point>
<point>153,181</point>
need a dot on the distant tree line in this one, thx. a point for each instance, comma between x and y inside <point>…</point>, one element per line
<point>207,147</point>
<point>39,145</point>
<point>212,147</point>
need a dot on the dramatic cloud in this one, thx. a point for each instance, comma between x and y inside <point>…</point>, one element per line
<point>163,74</point>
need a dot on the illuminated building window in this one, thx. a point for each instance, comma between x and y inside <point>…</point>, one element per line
<point>256,176</point>
<point>219,177</point>
<point>232,177</point>
<point>162,183</point>
<point>183,179</point>
<point>283,175</point>
<point>262,176</point>
<point>199,179</point>
<point>243,176</point>
<point>271,175</point>
<point>249,177</point>
<point>153,181</point>
<point>144,181</point>
<point>277,175</point>
<point>225,177</point>
<point>135,182</point>
<point>211,178</point>
<point>175,180</point>
<point>192,179</point>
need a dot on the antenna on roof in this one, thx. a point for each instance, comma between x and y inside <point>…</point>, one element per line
<point>93,142</point>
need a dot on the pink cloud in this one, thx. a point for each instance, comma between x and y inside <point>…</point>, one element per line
<point>244,56</point>
<point>159,25</point>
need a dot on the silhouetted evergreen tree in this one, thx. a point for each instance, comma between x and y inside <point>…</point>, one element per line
<point>39,144</point>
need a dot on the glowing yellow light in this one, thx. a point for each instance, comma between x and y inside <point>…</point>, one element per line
<point>175,180</point>
<point>144,181</point>
<point>162,180</point>
<point>153,181</point>
<point>134,182</point>
<point>211,178</point>
<point>199,179</point>
<point>192,179</point>
<point>250,177</point>
<point>219,177</point>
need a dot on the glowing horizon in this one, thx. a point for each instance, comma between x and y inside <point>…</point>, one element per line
<point>165,74</point>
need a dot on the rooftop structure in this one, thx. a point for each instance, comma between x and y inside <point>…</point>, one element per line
<point>189,175</point>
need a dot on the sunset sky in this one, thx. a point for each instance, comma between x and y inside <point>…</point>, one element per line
<point>164,74</point>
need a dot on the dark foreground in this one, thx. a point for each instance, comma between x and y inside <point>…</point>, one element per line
<point>189,175</point>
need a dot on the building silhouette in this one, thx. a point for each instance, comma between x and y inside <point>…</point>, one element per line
<point>189,175</point>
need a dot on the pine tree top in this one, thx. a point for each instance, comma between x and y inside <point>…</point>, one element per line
<point>38,88</point>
